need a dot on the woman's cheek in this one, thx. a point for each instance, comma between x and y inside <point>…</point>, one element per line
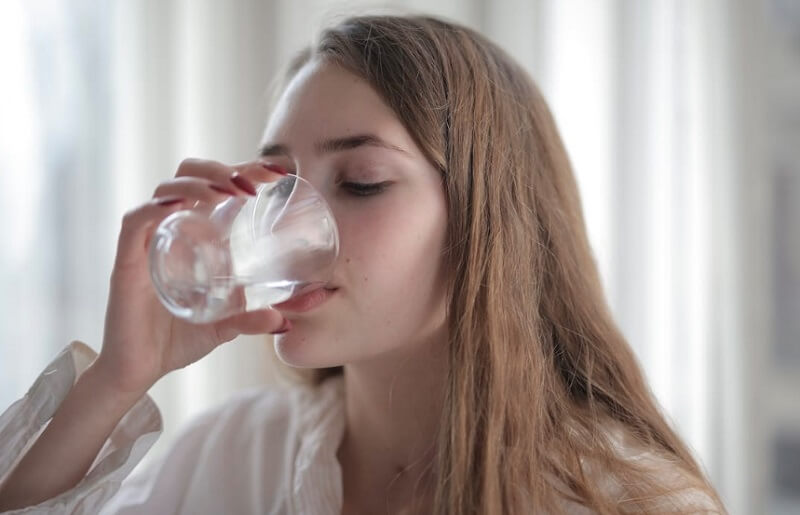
<point>366,232</point>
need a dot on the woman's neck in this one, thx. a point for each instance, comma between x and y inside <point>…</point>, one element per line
<point>393,408</point>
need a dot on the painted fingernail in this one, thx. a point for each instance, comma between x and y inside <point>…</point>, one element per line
<point>275,168</point>
<point>284,328</point>
<point>169,201</point>
<point>243,184</point>
<point>220,189</point>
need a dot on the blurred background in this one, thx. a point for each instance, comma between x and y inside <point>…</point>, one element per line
<point>681,117</point>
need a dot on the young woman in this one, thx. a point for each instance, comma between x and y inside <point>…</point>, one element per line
<point>462,360</point>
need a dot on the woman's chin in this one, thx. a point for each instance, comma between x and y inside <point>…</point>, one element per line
<point>299,352</point>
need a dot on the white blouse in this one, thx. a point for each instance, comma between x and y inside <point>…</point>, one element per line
<point>263,451</point>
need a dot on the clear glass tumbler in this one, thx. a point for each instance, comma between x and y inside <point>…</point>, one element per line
<point>245,253</point>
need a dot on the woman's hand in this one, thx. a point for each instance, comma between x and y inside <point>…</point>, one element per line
<point>143,341</point>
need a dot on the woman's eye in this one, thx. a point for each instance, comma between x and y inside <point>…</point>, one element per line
<point>365,189</point>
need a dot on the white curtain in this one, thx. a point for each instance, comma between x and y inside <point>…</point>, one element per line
<point>105,98</point>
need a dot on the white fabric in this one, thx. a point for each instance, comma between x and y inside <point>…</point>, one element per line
<point>26,418</point>
<point>263,451</point>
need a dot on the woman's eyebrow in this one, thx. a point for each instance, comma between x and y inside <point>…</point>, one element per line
<point>268,150</point>
<point>333,145</point>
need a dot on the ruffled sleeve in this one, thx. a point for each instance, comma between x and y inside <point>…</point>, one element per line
<point>26,418</point>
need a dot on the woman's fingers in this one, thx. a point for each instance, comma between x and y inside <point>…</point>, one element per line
<point>196,188</point>
<point>259,171</point>
<point>242,176</point>
<point>264,321</point>
<point>137,225</point>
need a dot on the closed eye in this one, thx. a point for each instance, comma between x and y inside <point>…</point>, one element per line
<point>365,189</point>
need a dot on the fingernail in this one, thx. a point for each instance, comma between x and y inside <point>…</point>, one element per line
<point>275,168</point>
<point>220,189</point>
<point>168,201</point>
<point>243,184</point>
<point>284,328</point>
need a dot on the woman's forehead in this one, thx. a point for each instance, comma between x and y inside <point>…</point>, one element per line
<point>323,102</point>
<point>322,95</point>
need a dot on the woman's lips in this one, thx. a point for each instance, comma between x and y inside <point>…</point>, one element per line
<point>306,301</point>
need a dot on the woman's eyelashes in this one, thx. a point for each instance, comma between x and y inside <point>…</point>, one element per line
<point>362,189</point>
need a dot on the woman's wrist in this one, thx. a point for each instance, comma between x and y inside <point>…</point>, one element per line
<point>107,388</point>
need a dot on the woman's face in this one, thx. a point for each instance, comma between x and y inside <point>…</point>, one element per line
<point>331,128</point>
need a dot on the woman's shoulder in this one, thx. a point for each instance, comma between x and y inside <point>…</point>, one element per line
<point>685,493</point>
<point>272,409</point>
<point>243,448</point>
<point>236,457</point>
<point>637,478</point>
<point>276,412</point>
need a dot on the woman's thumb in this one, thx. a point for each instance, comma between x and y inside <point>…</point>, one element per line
<point>263,321</point>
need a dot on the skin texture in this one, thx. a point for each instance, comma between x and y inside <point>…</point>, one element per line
<point>386,323</point>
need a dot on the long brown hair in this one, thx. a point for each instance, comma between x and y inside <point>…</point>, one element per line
<point>544,395</point>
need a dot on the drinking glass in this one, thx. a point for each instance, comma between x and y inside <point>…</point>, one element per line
<point>245,253</point>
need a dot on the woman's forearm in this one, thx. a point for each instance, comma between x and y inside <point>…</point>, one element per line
<point>63,453</point>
